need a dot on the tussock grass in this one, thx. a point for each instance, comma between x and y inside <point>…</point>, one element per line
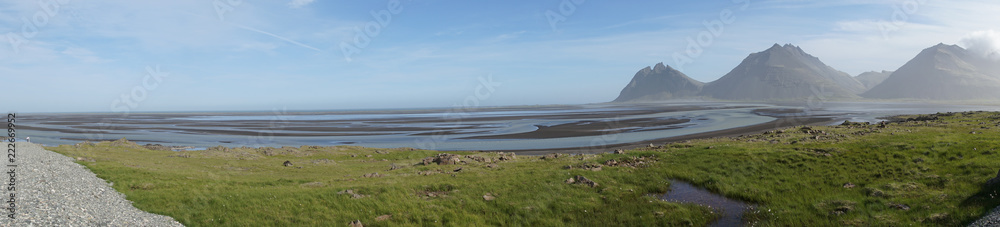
<point>929,170</point>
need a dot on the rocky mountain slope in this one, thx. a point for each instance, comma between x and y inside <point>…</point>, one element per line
<point>782,73</point>
<point>659,83</point>
<point>942,72</point>
<point>872,78</point>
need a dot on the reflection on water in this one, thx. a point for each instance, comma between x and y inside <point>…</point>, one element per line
<point>731,210</point>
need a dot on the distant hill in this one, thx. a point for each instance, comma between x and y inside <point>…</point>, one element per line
<point>872,78</point>
<point>942,72</point>
<point>782,73</point>
<point>659,83</point>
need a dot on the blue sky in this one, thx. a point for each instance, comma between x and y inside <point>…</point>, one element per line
<point>83,56</point>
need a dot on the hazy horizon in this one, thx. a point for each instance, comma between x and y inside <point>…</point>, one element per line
<point>124,56</point>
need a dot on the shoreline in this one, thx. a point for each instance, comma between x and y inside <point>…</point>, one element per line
<point>731,132</point>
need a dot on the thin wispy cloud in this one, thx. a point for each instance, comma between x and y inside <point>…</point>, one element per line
<point>299,3</point>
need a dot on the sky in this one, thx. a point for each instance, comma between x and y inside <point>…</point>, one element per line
<point>223,55</point>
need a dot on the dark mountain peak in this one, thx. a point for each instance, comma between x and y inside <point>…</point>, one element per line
<point>659,82</point>
<point>941,47</point>
<point>782,73</point>
<point>645,71</point>
<point>659,67</point>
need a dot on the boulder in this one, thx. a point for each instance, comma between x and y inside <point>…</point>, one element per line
<point>506,156</point>
<point>551,156</point>
<point>994,182</point>
<point>443,159</point>
<point>584,181</point>
<point>478,158</point>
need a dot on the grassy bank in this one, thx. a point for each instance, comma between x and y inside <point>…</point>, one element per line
<point>924,171</point>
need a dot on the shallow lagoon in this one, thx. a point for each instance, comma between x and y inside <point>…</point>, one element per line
<point>593,126</point>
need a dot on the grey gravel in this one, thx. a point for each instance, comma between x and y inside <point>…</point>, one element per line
<point>52,190</point>
<point>992,219</point>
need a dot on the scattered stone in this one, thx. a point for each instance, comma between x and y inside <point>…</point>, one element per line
<point>619,151</point>
<point>849,185</point>
<point>383,217</point>
<point>611,162</point>
<point>443,159</point>
<point>371,175</point>
<point>355,223</point>
<point>506,156</point>
<point>459,169</point>
<point>899,206</point>
<point>428,172</point>
<point>570,180</point>
<point>491,166</point>
<point>352,193</point>
<point>478,158</point>
<point>287,163</point>
<point>583,180</point>
<point>651,145</point>
<point>489,197</point>
<point>369,156</point>
<point>551,156</point>
<point>393,166</point>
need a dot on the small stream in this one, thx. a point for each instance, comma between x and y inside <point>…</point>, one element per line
<point>731,210</point>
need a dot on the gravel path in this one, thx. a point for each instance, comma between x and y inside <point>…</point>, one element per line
<point>992,219</point>
<point>52,190</point>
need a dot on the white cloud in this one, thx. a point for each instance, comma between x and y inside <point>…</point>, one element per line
<point>299,3</point>
<point>83,55</point>
<point>508,36</point>
<point>986,43</point>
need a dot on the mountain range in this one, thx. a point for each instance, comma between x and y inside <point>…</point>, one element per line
<point>941,72</point>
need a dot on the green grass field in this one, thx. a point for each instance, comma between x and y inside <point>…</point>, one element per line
<point>935,169</point>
